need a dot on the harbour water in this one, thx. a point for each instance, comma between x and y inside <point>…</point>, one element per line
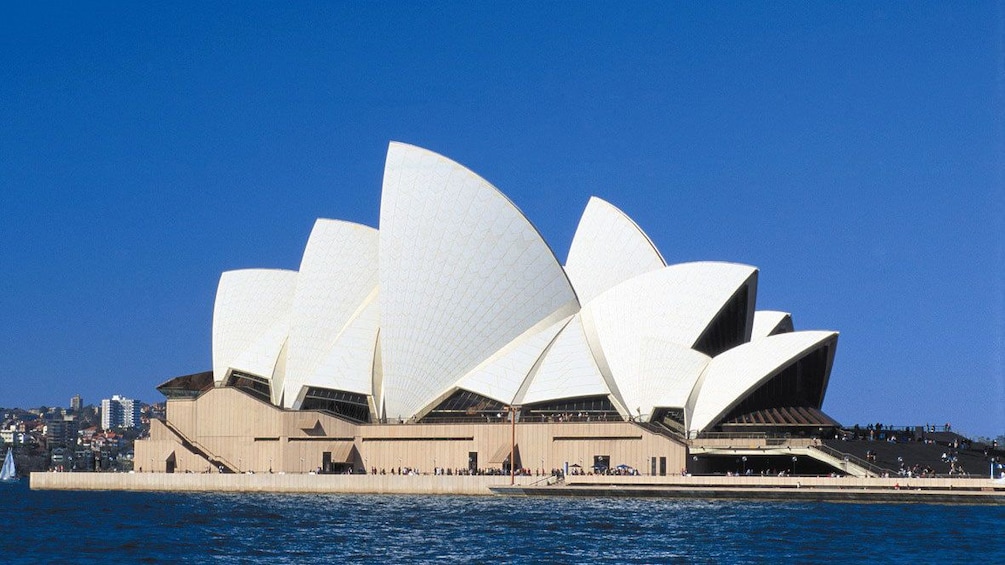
<point>93,527</point>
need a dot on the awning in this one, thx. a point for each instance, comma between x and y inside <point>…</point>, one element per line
<point>343,452</point>
<point>502,454</point>
<point>316,430</point>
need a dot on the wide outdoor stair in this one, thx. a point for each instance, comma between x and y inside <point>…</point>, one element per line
<point>215,461</point>
<point>889,455</point>
<point>663,430</point>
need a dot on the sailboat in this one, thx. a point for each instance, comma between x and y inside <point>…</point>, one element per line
<point>8,473</point>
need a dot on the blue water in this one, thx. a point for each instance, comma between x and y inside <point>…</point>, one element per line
<point>93,527</point>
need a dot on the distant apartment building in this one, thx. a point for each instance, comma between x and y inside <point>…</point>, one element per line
<point>60,430</point>
<point>13,436</point>
<point>76,403</point>
<point>120,412</point>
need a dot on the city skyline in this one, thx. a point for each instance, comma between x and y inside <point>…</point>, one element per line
<point>853,153</point>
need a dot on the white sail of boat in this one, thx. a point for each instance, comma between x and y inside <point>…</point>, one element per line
<point>8,472</point>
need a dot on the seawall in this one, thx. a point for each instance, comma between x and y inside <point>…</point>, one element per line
<point>277,483</point>
<point>843,489</point>
<point>817,489</point>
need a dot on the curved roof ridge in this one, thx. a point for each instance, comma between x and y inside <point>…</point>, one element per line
<point>735,374</point>
<point>770,322</point>
<point>498,192</point>
<point>607,249</point>
<point>338,272</point>
<point>634,224</point>
<point>249,304</point>
<point>501,376</point>
<point>462,273</point>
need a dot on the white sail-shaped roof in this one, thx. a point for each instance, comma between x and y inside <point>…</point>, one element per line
<point>567,369</point>
<point>462,273</point>
<point>674,305</point>
<point>251,320</point>
<point>348,364</point>
<point>733,375</point>
<point>501,375</point>
<point>770,322</point>
<point>339,270</point>
<point>668,374</point>
<point>608,248</point>
<point>459,292</point>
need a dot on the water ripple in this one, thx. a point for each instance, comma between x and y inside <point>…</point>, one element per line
<point>102,527</point>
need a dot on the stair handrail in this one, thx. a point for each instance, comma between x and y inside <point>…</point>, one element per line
<point>665,431</point>
<point>870,467</point>
<point>206,453</point>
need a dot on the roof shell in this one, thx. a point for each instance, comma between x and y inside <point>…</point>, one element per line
<point>668,374</point>
<point>673,305</point>
<point>338,272</point>
<point>732,376</point>
<point>770,322</point>
<point>500,376</point>
<point>567,369</point>
<point>348,364</point>
<point>608,249</point>
<point>251,317</point>
<point>462,273</point>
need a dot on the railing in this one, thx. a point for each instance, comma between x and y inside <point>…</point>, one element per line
<point>743,435</point>
<point>548,480</point>
<point>674,426</point>
<point>201,449</point>
<point>658,428</point>
<point>911,432</point>
<point>926,428</point>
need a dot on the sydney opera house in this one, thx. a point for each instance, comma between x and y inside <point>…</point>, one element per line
<point>453,338</point>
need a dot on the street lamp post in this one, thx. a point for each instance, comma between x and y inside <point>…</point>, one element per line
<point>512,446</point>
<point>744,458</point>
<point>794,459</point>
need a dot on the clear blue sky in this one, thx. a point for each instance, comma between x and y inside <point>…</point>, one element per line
<point>851,151</point>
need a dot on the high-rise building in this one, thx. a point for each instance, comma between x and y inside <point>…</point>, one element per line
<point>76,403</point>
<point>119,411</point>
<point>61,430</point>
<point>130,413</point>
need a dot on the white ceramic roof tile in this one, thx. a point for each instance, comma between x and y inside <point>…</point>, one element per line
<point>263,356</point>
<point>770,322</point>
<point>501,376</point>
<point>731,376</point>
<point>567,369</point>
<point>462,273</point>
<point>668,374</point>
<point>348,364</point>
<point>339,270</point>
<point>673,305</point>
<point>251,320</point>
<point>608,248</point>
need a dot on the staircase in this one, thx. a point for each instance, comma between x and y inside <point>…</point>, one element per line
<point>661,429</point>
<point>200,450</point>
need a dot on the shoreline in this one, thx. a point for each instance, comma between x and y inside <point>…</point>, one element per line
<point>803,489</point>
